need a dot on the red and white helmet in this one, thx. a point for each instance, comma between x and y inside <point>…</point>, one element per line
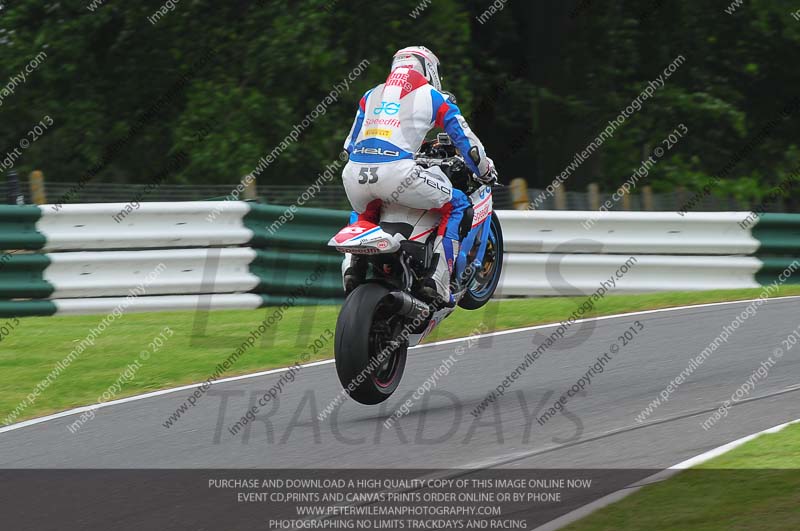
<point>420,59</point>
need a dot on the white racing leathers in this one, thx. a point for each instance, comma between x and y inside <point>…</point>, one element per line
<point>392,121</point>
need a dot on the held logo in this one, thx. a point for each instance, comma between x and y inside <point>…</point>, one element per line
<point>387,108</point>
<point>376,151</point>
<point>433,183</point>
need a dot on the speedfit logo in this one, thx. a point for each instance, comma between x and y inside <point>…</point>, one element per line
<point>376,151</point>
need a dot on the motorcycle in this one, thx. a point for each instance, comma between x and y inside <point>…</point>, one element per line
<point>387,313</point>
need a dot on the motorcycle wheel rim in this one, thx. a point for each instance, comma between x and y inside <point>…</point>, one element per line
<point>380,337</point>
<point>483,280</point>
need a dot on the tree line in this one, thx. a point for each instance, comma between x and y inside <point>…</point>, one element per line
<point>538,81</point>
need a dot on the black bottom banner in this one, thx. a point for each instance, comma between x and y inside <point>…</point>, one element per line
<point>283,499</point>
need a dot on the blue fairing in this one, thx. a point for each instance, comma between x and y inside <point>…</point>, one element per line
<point>479,235</point>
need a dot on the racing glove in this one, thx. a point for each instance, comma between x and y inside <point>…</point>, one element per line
<point>490,177</point>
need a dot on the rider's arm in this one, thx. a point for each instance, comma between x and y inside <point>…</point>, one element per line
<point>350,141</point>
<point>447,115</point>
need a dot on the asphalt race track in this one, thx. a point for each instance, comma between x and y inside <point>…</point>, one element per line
<point>598,429</point>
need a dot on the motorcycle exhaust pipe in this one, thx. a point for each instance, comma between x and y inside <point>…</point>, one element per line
<point>408,306</point>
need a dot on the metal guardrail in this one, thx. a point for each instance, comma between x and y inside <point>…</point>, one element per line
<point>169,256</point>
<point>558,252</point>
<point>696,233</point>
<point>79,258</point>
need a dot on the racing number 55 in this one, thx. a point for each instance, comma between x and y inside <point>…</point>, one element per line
<point>368,175</point>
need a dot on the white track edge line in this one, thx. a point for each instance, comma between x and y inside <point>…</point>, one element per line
<point>582,512</point>
<point>134,398</point>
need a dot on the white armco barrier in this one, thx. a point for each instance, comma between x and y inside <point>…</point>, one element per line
<point>219,301</point>
<point>577,274</point>
<point>551,252</point>
<point>230,254</point>
<point>151,225</point>
<point>160,272</point>
<point>695,233</point>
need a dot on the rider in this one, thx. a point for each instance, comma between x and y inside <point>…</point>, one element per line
<point>390,126</point>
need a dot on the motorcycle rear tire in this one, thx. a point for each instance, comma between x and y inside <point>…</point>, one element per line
<point>360,337</point>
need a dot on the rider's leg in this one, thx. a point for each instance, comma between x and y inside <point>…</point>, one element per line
<point>372,213</point>
<point>413,186</point>
<point>366,207</point>
<point>448,243</point>
<point>354,267</point>
<point>354,270</point>
<point>430,189</point>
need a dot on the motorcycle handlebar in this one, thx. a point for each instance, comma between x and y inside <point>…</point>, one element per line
<point>455,160</point>
<point>431,161</point>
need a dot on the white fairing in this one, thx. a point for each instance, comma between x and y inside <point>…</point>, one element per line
<point>376,242</point>
<point>438,317</point>
<point>358,240</point>
<point>423,221</point>
<point>482,205</point>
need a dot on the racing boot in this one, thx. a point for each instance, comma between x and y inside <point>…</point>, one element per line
<point>437,288</point>
<point>354,271</point>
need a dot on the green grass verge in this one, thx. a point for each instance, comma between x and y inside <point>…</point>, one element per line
<point>31,350</point>
<point>755,487</point>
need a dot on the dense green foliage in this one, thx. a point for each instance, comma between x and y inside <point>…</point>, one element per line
<point>538,81</point>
